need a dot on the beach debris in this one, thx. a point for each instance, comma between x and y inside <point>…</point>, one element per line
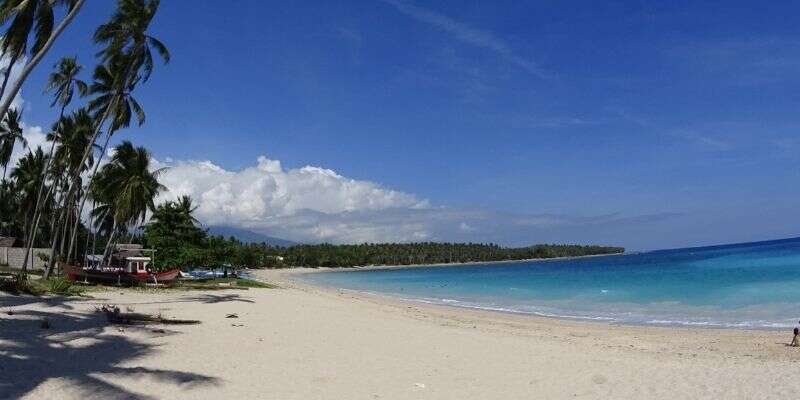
<point>419,385</point>
<point>45,323</point>
<point>115,316</point>
<point>232,316</point>
<point>237,325</point>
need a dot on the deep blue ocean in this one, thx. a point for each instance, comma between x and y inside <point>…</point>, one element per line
<point>751,285</point>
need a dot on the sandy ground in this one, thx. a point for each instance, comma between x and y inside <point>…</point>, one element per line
<point>302,342</point>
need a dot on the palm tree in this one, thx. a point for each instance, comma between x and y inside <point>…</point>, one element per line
<point>64,82</point>
<point>128,60</point>
<point>74,133</point>
<point>10,134</point>
<point>185,207</point>
<point>126,33</point>
<point>111,99</point>
<point>28,16</point>
<point>128,187</point>
<point>28,177</point>
<point>111,102</point>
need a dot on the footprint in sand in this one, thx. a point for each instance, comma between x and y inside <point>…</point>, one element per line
<point>599,379</point>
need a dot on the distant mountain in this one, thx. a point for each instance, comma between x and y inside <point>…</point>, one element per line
<point>248,236</point>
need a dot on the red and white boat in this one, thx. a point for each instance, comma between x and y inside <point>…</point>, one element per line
<point>128,265</point>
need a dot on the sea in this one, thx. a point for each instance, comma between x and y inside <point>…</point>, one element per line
<point>746,286</point>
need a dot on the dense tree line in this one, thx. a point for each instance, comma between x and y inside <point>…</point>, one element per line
<point>327,255</point>
<point>181,242</point>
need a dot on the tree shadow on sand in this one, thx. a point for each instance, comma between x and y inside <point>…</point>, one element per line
<point>81,350</point>
<point>222,298</point>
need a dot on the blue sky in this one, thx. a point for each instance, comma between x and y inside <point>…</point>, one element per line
<point>641,123</point>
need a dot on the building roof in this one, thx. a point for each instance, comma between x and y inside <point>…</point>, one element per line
<point>6,241</point>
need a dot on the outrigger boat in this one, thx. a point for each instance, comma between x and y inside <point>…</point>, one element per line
<point>128,265</point>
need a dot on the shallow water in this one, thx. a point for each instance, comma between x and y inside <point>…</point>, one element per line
<point>752,285</point>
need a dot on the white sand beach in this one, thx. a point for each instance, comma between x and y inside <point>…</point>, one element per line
<point>302,342</point>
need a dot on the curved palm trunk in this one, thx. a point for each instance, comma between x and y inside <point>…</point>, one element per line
<point>110,243</point>
<point>5,169</point>
<point>14,89</point>
<point>37,208</point>
<point>51,262</point>
<point>83,198</point>
<point>7,75</point>
<point>57,228</point>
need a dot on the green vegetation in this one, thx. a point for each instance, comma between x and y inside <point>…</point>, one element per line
<point>222,283</point>
<point>180,242</point>
<point>37,287</point>
<point>43,197</point>
<point>326,255</point>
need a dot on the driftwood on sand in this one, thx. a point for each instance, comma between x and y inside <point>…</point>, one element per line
<point>115,316</point>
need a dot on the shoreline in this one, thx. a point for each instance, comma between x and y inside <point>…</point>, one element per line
<point>290,278</point>
<point>455,264</point>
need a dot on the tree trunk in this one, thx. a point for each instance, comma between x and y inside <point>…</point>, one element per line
<point>38,57</point>
<point>25,235</point>
<point>5,169</point>
<point>7,75</point>
<point>83,198</point>
<point>51,262</point>
<point>107,251</point>
<point>37,208</point>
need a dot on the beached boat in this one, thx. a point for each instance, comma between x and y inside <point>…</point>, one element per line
<point>128,265</point>
<point>117,275</point>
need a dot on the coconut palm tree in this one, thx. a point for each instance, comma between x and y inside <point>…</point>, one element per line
<point>127,60</point>
<point>110,103</point>
<point>126,33</point>
<point>74,132</point>
<point>29,16</point>
<point>185,207</point>
<point>128,187</point>
<point>10,134</point>
<point>63,82</point>
<point>27,176</point>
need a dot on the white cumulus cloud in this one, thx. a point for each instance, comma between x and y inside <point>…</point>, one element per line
<point>268,197</point>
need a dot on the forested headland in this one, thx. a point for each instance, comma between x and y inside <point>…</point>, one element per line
<point>180,241</point>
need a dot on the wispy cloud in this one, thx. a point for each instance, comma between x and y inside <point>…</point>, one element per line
<point>469,35</point>
<point>705,137</point>
<point>752,61</point>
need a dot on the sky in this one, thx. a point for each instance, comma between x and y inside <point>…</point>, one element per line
<point>644,124</point>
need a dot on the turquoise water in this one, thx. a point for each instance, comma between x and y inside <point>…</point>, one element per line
<point>752,285</point>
